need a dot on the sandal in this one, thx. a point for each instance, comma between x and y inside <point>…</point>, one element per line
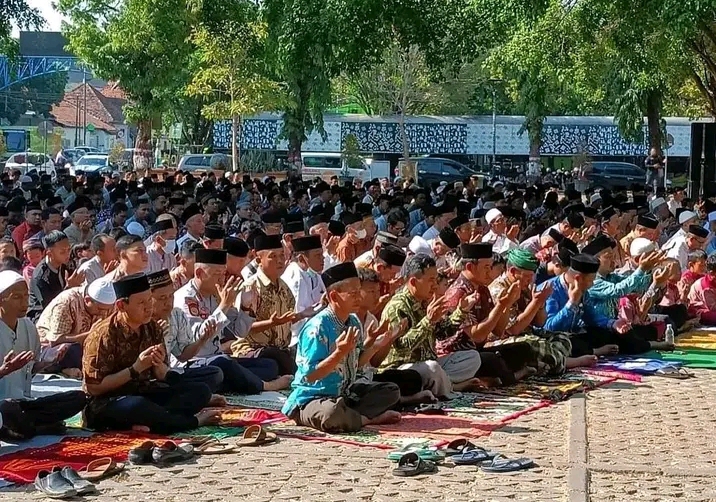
<point>456,446</point>
<point>411,464</point>
<point>213,447</point>
<point>675,373</point>
<point>503,464</point>
<point>473,456</point>
<point>255,435</point>
<point>169,451</point>
<point>425,453</point>
<point>142,454</point>
<point>100,469</point>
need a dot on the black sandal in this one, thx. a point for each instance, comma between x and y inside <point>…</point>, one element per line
<point>411,464</point>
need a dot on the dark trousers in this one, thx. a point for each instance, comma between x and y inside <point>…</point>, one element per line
<point>678,314</point>
<point>165,410</point>
<point>408,381</point>
<point>27,418</point>
<point>630,343</point>
<point>493,365</point>
<point>72,359</point>
<point>264,368</point>
<point>237,379</point>
<point>210,375</point>
<point>285,358</point>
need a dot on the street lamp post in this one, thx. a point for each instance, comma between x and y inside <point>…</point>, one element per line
<point>494,127</point>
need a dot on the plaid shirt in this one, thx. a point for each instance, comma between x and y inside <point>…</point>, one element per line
<point>418,342</point>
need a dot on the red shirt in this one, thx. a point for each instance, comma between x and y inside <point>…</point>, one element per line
<point>23,232</point>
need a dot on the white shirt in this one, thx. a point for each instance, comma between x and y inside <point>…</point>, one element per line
<point>679,251</point>
<point>500,243</point>
<point>18,384</point>
<point>92,269</point>
<point>249,270</point>
<point>431,233</point>
<point>674,239</point>
<point>329,261</point>
<point>307,289</point>
<point>158,259</point>
<point>673,206</point>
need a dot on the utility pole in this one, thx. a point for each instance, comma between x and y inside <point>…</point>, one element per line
<point>77,119</point>
<point>84,120</point>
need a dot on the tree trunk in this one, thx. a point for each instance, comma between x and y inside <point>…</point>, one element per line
<point>235,124</point>
<point>410,172</point>
<point>143,154</point>
<point>294,152</point>
<point>534,132</point>
<point>653,120</point>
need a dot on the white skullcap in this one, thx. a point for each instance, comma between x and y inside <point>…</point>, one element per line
<point>492,215</point>
<point>656,203</point>
<point>419,245</point>
<point>686,216</point>
<point>135,228</point>
<point>8,278</point>
<point>594,198</point>
<point>25,179</point>
<point>102,291</point>
<point>640,245</point>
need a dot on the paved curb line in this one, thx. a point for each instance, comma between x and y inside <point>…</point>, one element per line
<point>578,472</point>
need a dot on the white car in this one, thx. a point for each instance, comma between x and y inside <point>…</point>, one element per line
<point>27,161</point>
<point>91,163</point>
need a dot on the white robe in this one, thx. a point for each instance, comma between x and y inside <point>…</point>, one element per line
<point>307,290</point>
<point>18,384</point>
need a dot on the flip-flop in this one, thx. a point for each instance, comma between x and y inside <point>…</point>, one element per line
<point>473,456</point>
<point>255,435</point>
<point>197,440</point>
<point>100,469</point>
<point>503,464</point>
<point>214,447</point>
<point>675,373</point>
<point>169,451</point>
<point>411,464</point>
<point>456,446</point>
<point>426,453</point>
<point>54,485</point>
<point>142,454</point>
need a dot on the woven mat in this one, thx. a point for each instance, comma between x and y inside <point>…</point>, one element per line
<point>701,339</point>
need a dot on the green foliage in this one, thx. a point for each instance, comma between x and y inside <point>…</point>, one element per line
<point>20,14</point>
<point>351,152</point>
<point>37,94</point>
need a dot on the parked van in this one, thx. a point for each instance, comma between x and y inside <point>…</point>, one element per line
<point>325,165</point>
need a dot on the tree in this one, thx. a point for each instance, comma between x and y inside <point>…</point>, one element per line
<point>142,44</point>
<point>37,94</point>
<point>230,77</point>
<point>20,14</point>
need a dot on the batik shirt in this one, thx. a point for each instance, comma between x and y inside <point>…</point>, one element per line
<point>418,342</point>
<point>66,315</point>
<point>449,341</point>
<point>498,287</point>
<point>317,341</point>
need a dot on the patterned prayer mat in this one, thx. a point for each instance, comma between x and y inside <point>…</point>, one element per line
<point>700,339</point>
<point>265,401</point>
<point>689,358</point>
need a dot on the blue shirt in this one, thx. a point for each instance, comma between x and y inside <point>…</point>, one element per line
<point>316,341</point>
<point>416,216</point>
<point>562,315</point>
<point>419,229</point>
<point>381,223</point>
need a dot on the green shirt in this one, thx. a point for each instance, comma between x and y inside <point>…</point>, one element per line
<point>418,342</point>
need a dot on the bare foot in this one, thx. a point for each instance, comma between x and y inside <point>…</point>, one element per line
<point>208,417</point>
<point>607,350</point>
<point>217,401</point>
<point>388,417</point>
<point>140,428</point>
<point>72,373</point>
<point>582,361</point>
<point>282,382</point>
<point>471,385</point>
<point>525,372</point>
<point>424,396</point>
<point>662,346</point>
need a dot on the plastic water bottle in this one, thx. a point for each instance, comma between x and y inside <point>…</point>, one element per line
<point>669,335</point>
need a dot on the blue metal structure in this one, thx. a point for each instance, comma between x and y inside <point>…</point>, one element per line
<point>27,67</point>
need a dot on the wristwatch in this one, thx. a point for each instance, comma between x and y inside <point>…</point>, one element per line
<point>133,374</point>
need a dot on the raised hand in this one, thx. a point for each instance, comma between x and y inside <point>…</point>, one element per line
<point>85,226</point>
<point>574,292</point>
<point>164,326</point>
<point>108,267</point>
<point>436,309</point>
<point>347,341</point>
<point>468,302</point>
<point>511,295</point>
<point>75,279</point>
<point>158,355</point>
<point>661,276</point>
<point>208,329</point>
<point>13,362</point>
<point>144,359</point>
<point>229,291</point>
<point>649,261</point>
<point>541,295</point>
<point>513,232</point>
<point>621,326</point>
<point>287,317</point>
<point>375,330</point>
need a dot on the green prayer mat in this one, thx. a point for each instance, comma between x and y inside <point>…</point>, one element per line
<point>691,358</point>
<point>216,431</point>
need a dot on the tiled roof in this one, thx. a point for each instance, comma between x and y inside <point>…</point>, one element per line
<point>102,111</point>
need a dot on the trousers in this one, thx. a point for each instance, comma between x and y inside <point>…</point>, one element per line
<point>284,358</point>
<point>408,381</point>
<point>345,413</point>
<point>461,365</point>
<point>164,409</point>
<point>27,417</point>
<point>237,379</point>
<point>631,343</point>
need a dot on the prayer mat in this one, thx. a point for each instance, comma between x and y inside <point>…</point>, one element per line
<point>639,365</point>
<point>238,417</point>
<point>690,358</point>
<point>265,401</point>
<point>216,431</point>
<point>701,339</point>
<point>22,466</point>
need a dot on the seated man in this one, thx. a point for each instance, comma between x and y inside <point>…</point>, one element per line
<point>425,315</point>
<point>184,271</point>
<point>702,295</point>
<point>386,266</point>
<point>550,352</point>
<point>558,262</point>
<point>132,256</point>
<point>160,253</point>
<point>325,394</point>
<point>569,309</point>
<point>105,255</point>
<point>206,301</point>
<point>66,322</point>
<point>272,307</point>
<point>125,371</point>
<point>22,416</point>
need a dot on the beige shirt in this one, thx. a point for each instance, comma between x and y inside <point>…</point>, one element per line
<point>269,298</point>
<point>74,235</point>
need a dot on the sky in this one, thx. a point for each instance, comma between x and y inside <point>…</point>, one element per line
<point>53,19</point>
